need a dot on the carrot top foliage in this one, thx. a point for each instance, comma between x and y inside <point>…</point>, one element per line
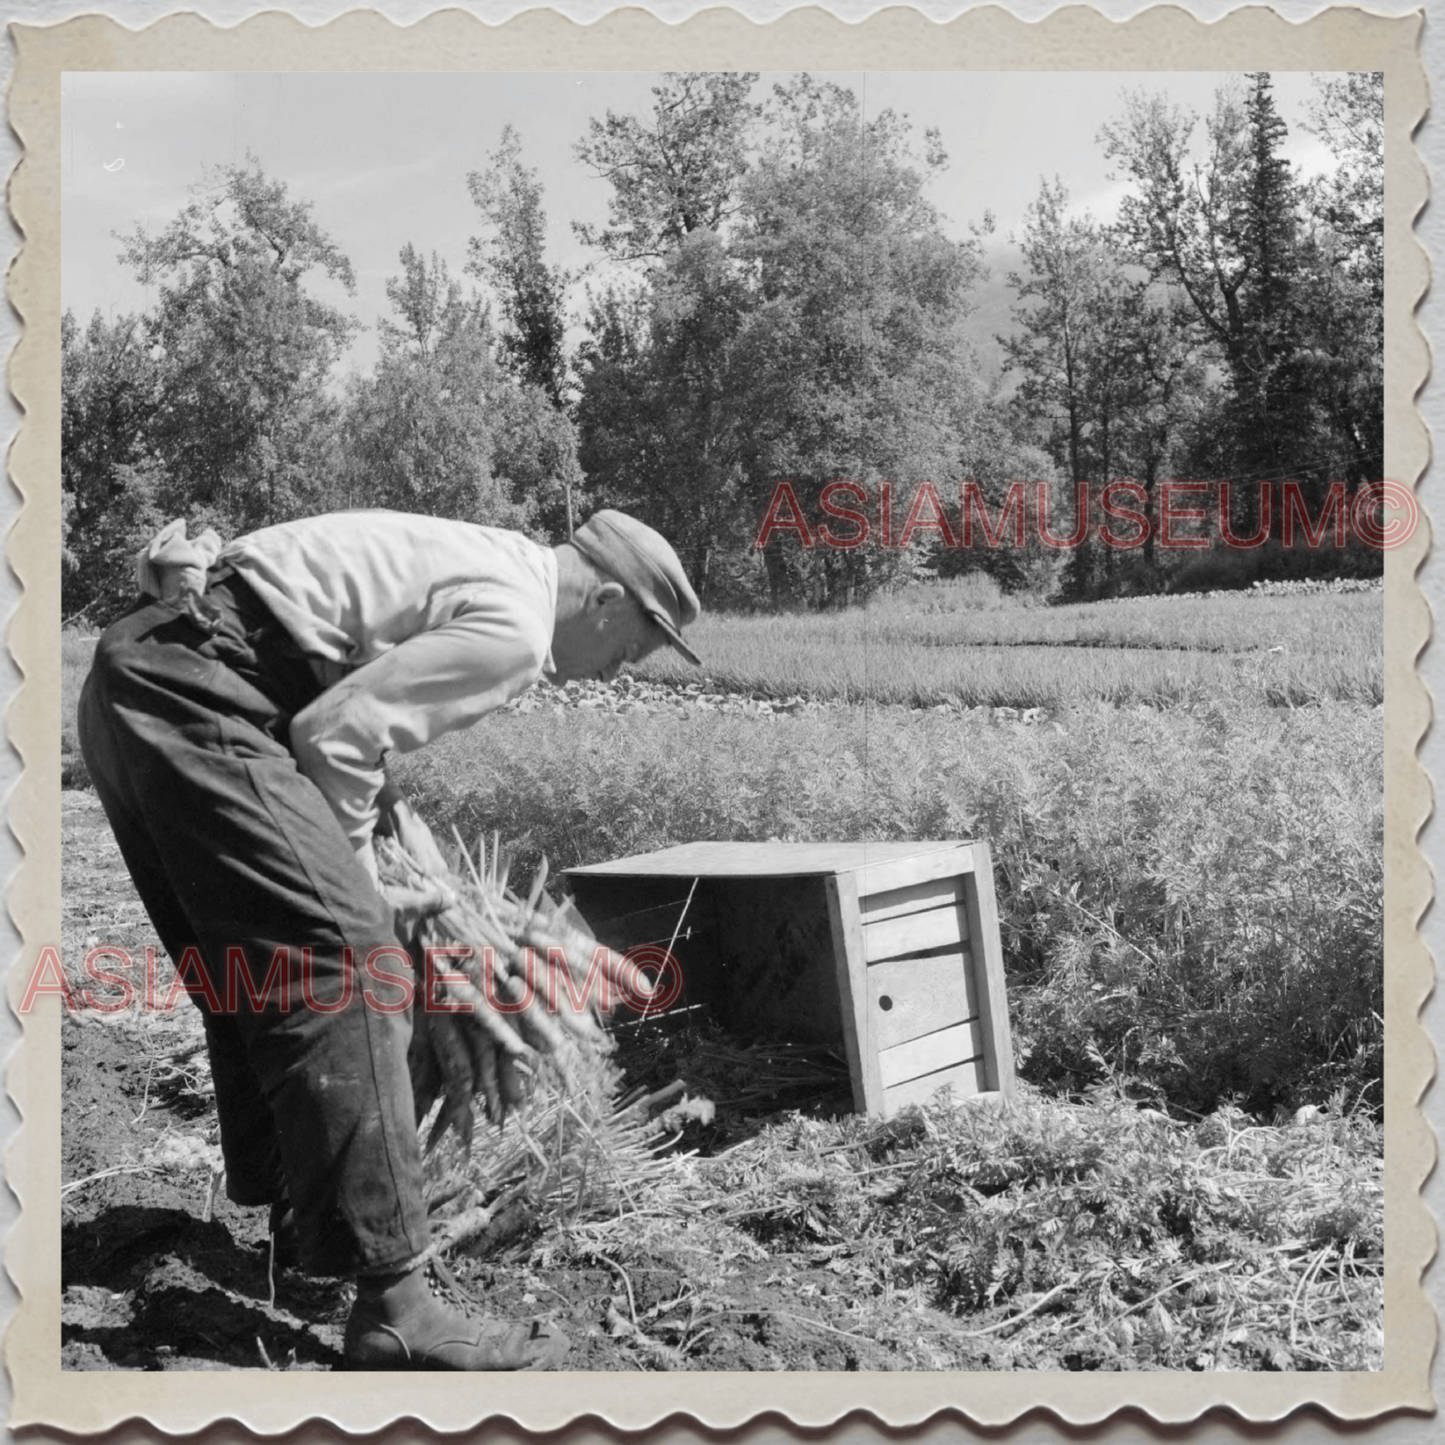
<point>1190,897</point>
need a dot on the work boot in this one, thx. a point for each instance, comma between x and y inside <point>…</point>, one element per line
<point>423,1320</point>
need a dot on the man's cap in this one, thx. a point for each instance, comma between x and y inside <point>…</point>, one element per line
<point>631,553</point>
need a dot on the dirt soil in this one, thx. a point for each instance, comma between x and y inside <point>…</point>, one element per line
<point>160,1271</point>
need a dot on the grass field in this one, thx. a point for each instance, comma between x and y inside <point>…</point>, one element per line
<point>1157,650</point>
<point>929,645</point>
<point>1189,861</point>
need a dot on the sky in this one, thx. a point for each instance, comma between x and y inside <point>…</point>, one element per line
<point>384,158</point>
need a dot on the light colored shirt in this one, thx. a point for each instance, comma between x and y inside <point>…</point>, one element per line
<point>420,625</point>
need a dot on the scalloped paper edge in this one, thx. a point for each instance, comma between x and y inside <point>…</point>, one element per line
<point>1164,38</point>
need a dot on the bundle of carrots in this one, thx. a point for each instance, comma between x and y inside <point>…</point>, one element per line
<point>508,987</point>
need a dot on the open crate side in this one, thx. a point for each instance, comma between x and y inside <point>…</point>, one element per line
<point>756,951</point>
<point>888,954</point>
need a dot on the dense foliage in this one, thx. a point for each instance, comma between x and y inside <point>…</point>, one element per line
<point>787,304</point>
<point>1094,1236</point>
<point>1183,903</point>
<point>1276,275</point>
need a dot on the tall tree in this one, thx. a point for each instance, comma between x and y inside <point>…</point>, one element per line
<point>663,405</point>
<point>676,174</point>
<point>1349,116</point>
<point>421,431</point>
<point>1074,355</point>
<point>1267,372</point>
<point>1345,314</point>
<point>661,402</point>
<point>855,346</point>
<point>1054,316</point>
<point>1109,368</point>
<point>513,260</point>
<point>800,320</point>
<point>1224,229</point>
<point>108,478</point>
<point>1166,392</point>
<point>243,347</point>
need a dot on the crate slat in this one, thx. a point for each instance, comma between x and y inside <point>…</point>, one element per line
<point>916,898</point>
<point>924,994</point>
<point>883,872</point>
<point>851,971</point>
<point>939,1050</point>
<point>965,1080</point>
<point>913,933</point>
<point>784,860</point>
<point>982,909</point>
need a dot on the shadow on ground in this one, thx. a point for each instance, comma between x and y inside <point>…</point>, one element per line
<point>152,1288</point>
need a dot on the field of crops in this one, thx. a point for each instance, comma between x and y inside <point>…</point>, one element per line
<point>916,648</point>
<point>1188,849</point>
<point>1189,896</point>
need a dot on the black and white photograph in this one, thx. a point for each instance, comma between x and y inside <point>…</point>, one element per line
<point>722,721</point>
<point>716,720</point>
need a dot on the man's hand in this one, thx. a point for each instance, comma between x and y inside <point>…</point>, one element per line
<point>411,907</point>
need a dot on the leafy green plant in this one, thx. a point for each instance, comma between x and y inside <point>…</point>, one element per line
<point>1191,899</point>
<point>1089,1235</point>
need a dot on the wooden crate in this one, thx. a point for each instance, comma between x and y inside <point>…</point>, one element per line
<point>889,950</point>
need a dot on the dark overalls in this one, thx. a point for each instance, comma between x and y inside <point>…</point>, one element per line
<point>235,855</point>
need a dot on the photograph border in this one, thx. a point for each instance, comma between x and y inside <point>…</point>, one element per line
<point>983,40</point>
